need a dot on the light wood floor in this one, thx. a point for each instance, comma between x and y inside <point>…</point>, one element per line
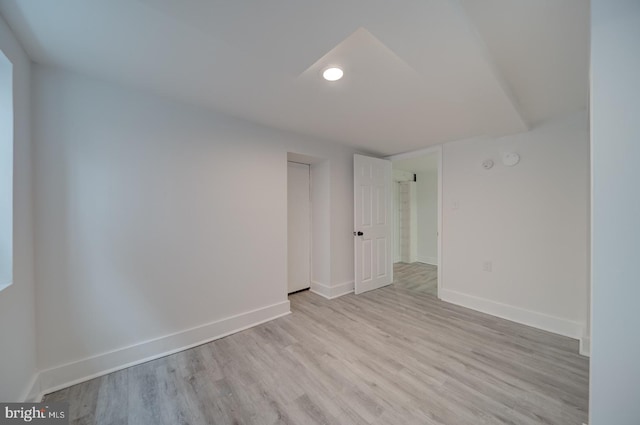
<point>392,356</point>
<point>417,277</point>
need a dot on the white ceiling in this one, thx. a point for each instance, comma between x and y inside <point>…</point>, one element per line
<point>417,72</point>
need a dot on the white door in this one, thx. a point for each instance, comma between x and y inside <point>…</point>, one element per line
<point>299,226</point>
<point>372,219</point>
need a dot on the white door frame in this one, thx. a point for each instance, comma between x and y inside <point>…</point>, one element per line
<point>422,152</point>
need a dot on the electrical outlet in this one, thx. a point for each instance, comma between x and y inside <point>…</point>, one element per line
<point>487,266</point>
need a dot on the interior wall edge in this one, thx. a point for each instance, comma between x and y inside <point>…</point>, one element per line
<point>585,346</point>
<point>18,363</point>
<point>332,291</point>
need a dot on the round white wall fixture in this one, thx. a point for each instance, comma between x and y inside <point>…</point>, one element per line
<point>487,164</point>
<point>510,159</point>
<point>332,74</point>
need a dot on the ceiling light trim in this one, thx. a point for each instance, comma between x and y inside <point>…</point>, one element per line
<point>333,73</point>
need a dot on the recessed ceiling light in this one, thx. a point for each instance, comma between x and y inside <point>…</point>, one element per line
<point>332,74</point>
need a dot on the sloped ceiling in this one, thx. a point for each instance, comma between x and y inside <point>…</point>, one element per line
<point>417,72</point>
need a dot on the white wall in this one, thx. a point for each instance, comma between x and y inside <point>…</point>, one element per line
<point>17,308</point>
<point>321,223</point>
<point>157,218</point>
<point>530,221</point>
<point>342,251</point>
<point>427,216</point>
<point>6,171</point>
<point>615,138</point>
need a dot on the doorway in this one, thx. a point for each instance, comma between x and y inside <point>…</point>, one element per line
<point>298,227</point>
<point>416,208</point>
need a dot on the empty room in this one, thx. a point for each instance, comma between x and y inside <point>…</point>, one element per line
<point>336,212</point>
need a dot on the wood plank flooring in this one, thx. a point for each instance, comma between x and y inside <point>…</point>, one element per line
<point>396,356</point>
<point>417,277</point>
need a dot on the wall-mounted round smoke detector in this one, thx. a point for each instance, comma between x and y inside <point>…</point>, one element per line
<point>510,159</point>
<point>487,164</point>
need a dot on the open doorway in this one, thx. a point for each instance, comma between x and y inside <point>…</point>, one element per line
<point>416,209</point>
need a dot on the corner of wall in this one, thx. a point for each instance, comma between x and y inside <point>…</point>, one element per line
<point>34,391</point>
<point>585,346</point>
<point>332,291</point>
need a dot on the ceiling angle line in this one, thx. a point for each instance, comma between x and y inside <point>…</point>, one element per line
<point>486,54</point>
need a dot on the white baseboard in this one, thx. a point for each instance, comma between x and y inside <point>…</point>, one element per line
<point>63,376</point>
<point>429,260</point>
<point>331,292</point>
<point>535,319</point>
<point>585,346</point>
<point>341,289</point>
<point>321,289</point>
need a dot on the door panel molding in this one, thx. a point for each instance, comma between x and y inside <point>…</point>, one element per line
<point>372,206</point>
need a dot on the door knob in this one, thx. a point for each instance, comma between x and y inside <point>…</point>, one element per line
<point>358,233</point>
